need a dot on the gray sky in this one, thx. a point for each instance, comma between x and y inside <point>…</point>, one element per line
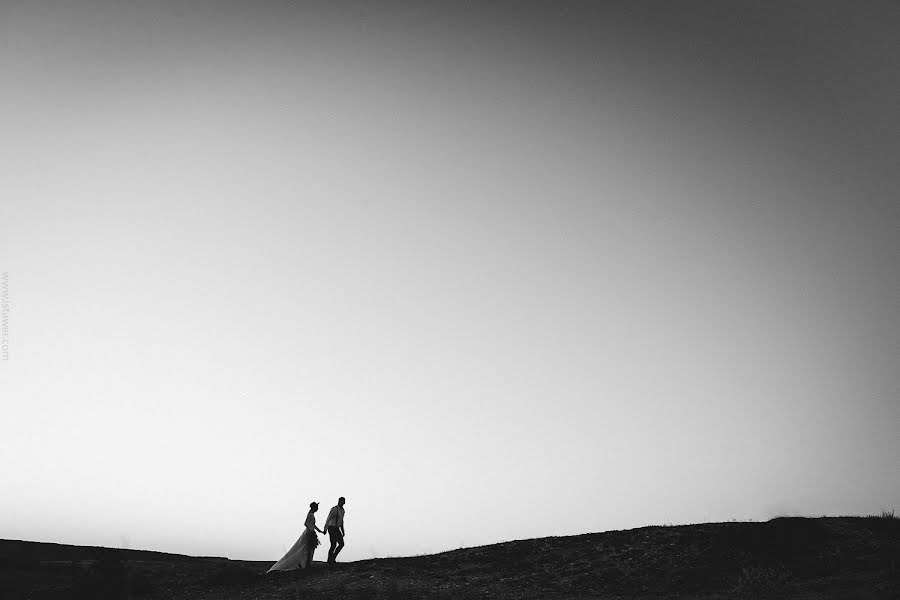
<point>490,272</point>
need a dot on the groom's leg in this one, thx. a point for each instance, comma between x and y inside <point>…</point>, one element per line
<point>339,538</point>
<point>332,531</point>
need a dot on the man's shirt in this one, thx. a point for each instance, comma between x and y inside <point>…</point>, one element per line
<point>335,517</point>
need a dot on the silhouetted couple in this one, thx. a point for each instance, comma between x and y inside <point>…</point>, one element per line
<point>301,553</point>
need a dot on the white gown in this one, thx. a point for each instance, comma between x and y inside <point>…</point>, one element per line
<point>298,554</point>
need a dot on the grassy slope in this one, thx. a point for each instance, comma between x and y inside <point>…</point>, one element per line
<point>834,557</point>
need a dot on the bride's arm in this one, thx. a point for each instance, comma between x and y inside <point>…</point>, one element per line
<point>311,523</point>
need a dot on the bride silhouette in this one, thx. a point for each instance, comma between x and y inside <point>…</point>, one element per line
<point>301,553</point>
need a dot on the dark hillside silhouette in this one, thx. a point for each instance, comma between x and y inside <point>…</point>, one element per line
<point>790,557</point>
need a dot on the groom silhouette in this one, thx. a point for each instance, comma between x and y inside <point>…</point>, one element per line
<point>334,525</point>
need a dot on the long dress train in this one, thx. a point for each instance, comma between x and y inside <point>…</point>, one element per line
<point>299,553</point>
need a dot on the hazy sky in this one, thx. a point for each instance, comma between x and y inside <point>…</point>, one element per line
<point>489,270</point>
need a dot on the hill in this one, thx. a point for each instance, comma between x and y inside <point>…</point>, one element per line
<point>789,557</point>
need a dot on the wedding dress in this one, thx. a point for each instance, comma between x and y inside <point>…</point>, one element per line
<point>299,553</point>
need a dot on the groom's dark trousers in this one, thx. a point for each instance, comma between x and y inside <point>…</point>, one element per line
<point>337,542</point>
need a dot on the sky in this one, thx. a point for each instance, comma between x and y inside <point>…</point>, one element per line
<point>491,271</point>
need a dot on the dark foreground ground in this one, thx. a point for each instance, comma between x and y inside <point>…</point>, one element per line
<point>833,557</point>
